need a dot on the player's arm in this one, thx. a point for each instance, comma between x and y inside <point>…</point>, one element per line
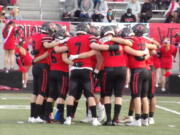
<point>66,59</point>
<point>134,52</point>
<point>83,55</point>
<point>122,41</point>
<point>151,46</point>
<point>103,47</point>
<point>99,59</point>
<point>41,57</point>
<point>50,44</point>
<point>60,49</point>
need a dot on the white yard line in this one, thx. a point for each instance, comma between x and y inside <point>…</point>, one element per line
<point>23,107</point>
<point>168,110</point>
<point>125,100</point>
<point>14,98</point>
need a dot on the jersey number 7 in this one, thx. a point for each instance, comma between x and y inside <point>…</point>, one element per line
<point>78,45</point>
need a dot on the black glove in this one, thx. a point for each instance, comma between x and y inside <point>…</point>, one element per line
<point>34,52</point>
<point>78,64</point>
<point>33,62</point>
<point>140,58</point>
<point>159,54</point>
<point>113,47</point>
<point>100,74</point>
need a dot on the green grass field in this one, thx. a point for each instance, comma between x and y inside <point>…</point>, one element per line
<point>167,123</point>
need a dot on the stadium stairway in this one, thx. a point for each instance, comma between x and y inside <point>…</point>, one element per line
<point>39,9</point>
<point>52,10</point>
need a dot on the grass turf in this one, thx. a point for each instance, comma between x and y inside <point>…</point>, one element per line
<point>166,123</point>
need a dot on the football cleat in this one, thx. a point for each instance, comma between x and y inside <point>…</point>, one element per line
<point>145,122</point>
<point>95,122</point>
<point>128,119</point>
<point>68,121</point>
<point>136,123</point>
<point>101,112</point>
<point>38,120</point>
<point>151,121</point>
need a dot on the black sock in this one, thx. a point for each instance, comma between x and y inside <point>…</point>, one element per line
<point>74,109</point>
<point>117,110</point>
<point>108,111</point>
<point>87,107</point>
<point>43,107</point>
<point>33,110</point>
<point>93,111</point>
<point>151,114</point>
<point>144,116</point>
<point>69,110</point>
<point>39,110</point>
<point>61,111</point>
<point>130,113</point>
<point>137,116</point>
<point>48,110</point>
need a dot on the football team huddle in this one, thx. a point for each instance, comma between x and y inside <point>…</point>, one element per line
<point>94,63</point>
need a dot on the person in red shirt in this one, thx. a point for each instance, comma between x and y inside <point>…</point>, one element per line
<point>9,45</point>
<point>115,72</point>
<point>81,72</point>
<point>58,77</point>
<point>139,77</point>
<point>114,76</point>
<point>24,60</point>
<point>168,53</point>
<point>40,73</point>
<point>152,82</point>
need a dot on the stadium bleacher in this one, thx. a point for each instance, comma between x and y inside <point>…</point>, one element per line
<point>51,10</point>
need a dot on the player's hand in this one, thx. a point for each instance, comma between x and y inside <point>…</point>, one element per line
<point>56,48</point>
<point>146,51</point>
<point>78,64</point>
<point>73,57</point>
<point>95,73</point>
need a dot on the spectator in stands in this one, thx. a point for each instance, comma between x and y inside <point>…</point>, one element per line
<point>174,5</point>
<point>100,11</point>
<point>4,3</point>
<point>135,6</point>
<point>146,11</point>
<point>177,16</point>
<point>157,4</point>
<point>110,15</point>
<point>166,3</point>
<point>70,7</point>
<point>79,3</point>
<point>86,9</point>
<point>2,14</point>
<point>15,14</point>
<point>128,16</point>
<point>12,2</point>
